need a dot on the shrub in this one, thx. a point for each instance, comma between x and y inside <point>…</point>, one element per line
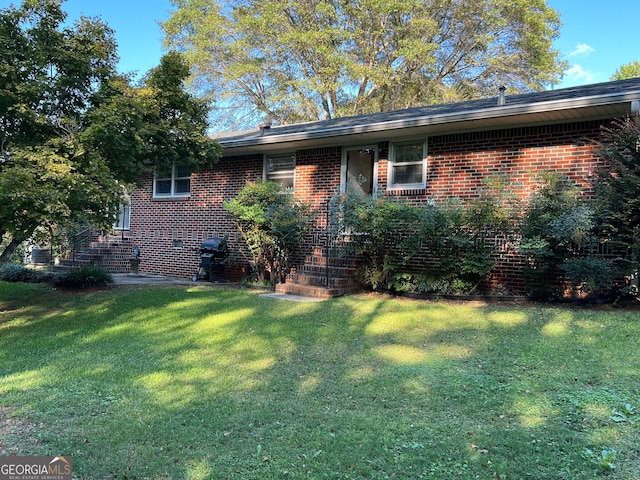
<point>617,186</point>
<point>13,272</point>
<point>557,225</point>
<point>590,275</point>
<point>440,248</point>
<point>272,223</point>
<point>85,277</point>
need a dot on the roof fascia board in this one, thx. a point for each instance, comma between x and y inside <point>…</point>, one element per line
<point>442,118</point>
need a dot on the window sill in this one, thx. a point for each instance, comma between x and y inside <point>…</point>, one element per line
<point>397,191</point>
<point>176,198</point>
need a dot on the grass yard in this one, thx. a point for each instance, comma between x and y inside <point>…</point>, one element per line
<point>199,383</point>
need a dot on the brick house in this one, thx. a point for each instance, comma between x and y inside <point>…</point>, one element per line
<point>418,154</point>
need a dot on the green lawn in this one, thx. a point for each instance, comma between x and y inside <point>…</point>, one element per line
<point>197,382</point>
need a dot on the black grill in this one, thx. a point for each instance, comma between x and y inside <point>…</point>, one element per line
<point>213,253</point>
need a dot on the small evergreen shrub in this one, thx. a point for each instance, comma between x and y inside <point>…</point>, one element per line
<point>590,275</point>
<point>85,277</point>
<point>13,272</point>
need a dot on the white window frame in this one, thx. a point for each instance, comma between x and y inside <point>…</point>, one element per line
<point>391,181</point>
<point>278,175</point>
<point>174,179</point>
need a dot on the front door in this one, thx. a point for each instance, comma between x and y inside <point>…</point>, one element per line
<point>359,170</point>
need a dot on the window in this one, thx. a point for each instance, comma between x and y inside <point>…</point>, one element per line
<point>174,181</point>
<point>281,169</point>
<point>408,165</point>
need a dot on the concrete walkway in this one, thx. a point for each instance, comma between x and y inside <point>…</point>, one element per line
<point>149,279</point>
<point>291,298</point>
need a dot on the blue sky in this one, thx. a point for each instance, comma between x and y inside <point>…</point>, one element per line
<point>596,39</point>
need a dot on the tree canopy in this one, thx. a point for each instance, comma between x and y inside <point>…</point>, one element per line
<point>629,70</point>
<point>73,133</point>
<point>301,60</point>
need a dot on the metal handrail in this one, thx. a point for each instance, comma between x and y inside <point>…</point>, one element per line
<point>74,243</point>
<point>334,242</point>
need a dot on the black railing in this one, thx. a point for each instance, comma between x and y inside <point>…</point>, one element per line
<point>336,252</point>
<point>79,241</point>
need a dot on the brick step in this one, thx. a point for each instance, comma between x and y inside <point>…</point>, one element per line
<point>310,279</point>
<point>112,243</point>
<point>312,290</point>
<point>82,260</point>
<point>320,280</point>
<point>319,260</point>
<point>334,271</point>
<point>67,263</point>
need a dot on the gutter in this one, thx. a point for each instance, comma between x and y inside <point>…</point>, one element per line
<point>438,119</point>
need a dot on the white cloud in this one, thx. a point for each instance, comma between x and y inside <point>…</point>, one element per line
<point>582,50</point>
<point>577,73</point>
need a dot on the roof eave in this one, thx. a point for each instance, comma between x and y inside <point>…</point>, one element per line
<point>492,117</point>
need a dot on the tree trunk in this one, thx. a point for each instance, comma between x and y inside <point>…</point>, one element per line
<point>5,256</point>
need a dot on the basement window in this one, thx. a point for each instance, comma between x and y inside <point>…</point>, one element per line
<point>407,166</point>
<point>173,181</point>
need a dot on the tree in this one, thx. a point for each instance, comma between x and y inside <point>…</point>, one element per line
<point>629,70</point>
<point>47,78</point>
<point>137,129</point>
<point>68,144</point>
<point>618,192</point>
<point>300,60</point>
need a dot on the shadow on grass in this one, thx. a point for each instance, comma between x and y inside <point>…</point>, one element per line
<point>184,382</point>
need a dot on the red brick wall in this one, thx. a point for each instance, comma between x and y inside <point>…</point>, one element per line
<point>317,175</point>
<point>463,160</point>
<point>169,231</point>
<point>458,163</point>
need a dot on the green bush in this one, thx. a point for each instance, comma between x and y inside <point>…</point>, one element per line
<point>13,272</point>
<point>557,226</point>
<point>432,248</point>
<point>272,223</point>
<point>617,187</point>
<point>590,275</point>
<point>85,277</point>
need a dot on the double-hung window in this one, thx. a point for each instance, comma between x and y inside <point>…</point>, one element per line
<point>281,169</point>
<point>173,181</point>
<point>408,166</point>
